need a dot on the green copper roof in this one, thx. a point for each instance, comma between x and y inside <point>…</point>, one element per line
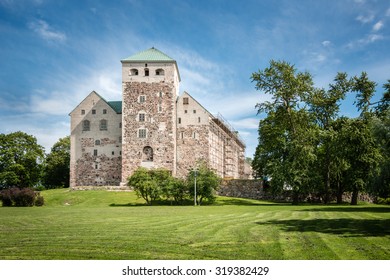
<point>116,105</point>
<point>151,54</point>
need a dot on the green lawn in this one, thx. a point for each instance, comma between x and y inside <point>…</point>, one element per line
<point>116,225</point>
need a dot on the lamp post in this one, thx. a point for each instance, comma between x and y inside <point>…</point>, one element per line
<point>195,174</point>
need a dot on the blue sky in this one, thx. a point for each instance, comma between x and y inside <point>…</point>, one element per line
<point>55,52</point>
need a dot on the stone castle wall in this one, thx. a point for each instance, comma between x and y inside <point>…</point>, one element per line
<point>252,189</point>
<point>156,102</point>
<point>95,152</point>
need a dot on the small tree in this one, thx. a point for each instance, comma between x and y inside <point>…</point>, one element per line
<point>176,189</point>
<point>207,182</point>
<point>145,184</point>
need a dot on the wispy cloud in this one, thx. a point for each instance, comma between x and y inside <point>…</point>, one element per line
<point>367,18</point>
<point>378,26</point>
<point>45,31</point>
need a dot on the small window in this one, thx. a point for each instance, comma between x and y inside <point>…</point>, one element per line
<point>120,125</point>
<point>83,112</point>
<point>141,117</point>
<point>95,153</point>
<point>104,111</point>
<point>179,121</point>
<point>185,100</point>
<point>146,65</point>
<point>181,135</point>
<point>159,108</point>
<point>97,142</point>
<point>194,111</point>
<point>86,125</point>
<point>133,72</point>
<point>185,111</point>
<point>93,112</point>
<point>103,124</point>
<point>112,153</point>
<point>120,139</point>
<point>120,153</point>
<point>96,167</point>
<point>142,99</point>
<point>160,72</point>
<point>142,133</point>
<point>198,119</point>
<point>160,94</point>
<point>146,72</point>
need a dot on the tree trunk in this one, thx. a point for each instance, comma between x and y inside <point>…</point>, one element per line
<point>354,199</point>
<point>295,197</point>
<point>327,176</point>
<point>339,193</point>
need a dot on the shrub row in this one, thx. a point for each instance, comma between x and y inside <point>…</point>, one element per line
<point>21,197</point>
<point>384,201</point>
<point>159,184</point>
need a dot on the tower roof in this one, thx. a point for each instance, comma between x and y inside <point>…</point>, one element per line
<point>151,54</point>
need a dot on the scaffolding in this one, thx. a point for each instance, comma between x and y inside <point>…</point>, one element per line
<point>229,129</point>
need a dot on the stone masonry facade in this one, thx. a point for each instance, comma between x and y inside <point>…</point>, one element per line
<point>152,127</point>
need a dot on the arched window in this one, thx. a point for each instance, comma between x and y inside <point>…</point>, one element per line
<point>147,153</point>
<point>103,124</point>
<point>146,72</point>
<point>97,142</point>
<point>160,72</point>
<point>133,72</point>
<point>86,125</point>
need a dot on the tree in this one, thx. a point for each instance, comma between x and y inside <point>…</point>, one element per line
<point>287,135</point>
<point>20,160</point>
<point>380,185</point>
<point>362,154</point>
<point>56,171</point>
<point>145,184</point>
<point>207,182</point>
<point>325,106</point>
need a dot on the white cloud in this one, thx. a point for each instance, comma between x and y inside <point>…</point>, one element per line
<point>326,43</point>
<point>45,31</point>
<point>369,39</point>
<point>366,18</point>
<point>378,26</point>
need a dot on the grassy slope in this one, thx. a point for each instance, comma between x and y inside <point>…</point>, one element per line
<point>116,225</point>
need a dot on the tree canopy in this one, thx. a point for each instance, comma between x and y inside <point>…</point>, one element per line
<point>306,147</point>
<point>20,160</point>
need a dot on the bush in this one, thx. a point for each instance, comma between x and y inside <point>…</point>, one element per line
<point>23,197</point>
<point>39,201</point>
<point>145,184</point>
<point>384,200</point>
<point>207,182</point>
<point>19,197</point>
<point>5,197</point>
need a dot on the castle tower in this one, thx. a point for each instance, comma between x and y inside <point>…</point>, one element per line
<point>150,86</point>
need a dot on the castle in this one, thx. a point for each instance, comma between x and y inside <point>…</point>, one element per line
<point>152,127</point>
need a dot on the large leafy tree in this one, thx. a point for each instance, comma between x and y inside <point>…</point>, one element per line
<point>287,135</point>
<point>325,106</point>
<point>380,185</point>
<point>362,154</point>
<point>20,160</point>
<point>56,171</point>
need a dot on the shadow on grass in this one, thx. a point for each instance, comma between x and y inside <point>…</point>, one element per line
<point>230,201</point>
<point>346,227</point>
<point>348,208</point>
<point>247,202</point>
